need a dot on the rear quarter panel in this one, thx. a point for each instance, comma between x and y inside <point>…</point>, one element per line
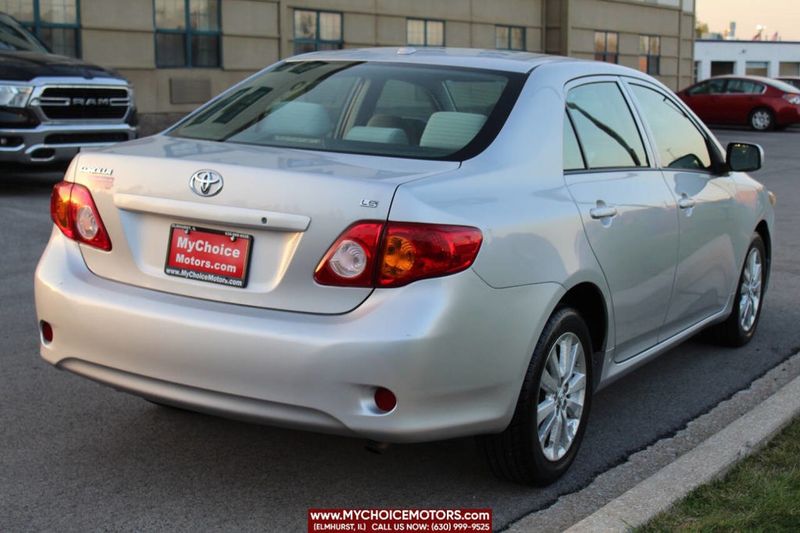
<point>515,193</point>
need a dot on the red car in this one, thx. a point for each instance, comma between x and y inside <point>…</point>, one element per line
<point>761,103</point>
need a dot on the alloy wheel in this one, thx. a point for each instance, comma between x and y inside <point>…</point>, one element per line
<point>562,392</point>
<point>762,120</point>
<point>750,291</point>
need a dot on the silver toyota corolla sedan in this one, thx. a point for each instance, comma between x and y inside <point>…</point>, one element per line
<point>408,245</point>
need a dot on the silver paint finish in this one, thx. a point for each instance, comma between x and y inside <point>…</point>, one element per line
<point>453,349</point>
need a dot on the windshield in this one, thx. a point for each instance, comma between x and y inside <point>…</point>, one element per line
<point>14,36</point>
<point>386,109</point>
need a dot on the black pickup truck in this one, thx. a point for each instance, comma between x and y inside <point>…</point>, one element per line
<point>53,106</point>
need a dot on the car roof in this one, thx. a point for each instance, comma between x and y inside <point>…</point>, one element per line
<point>504,60</point>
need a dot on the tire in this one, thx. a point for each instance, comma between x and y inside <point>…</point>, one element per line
<point>739,328</point>
<point>517,454</point>
<point>762,119</point>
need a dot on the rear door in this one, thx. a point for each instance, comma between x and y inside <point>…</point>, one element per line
<point>706,268</point>
<point>741,97</point>
<point>627,210</point>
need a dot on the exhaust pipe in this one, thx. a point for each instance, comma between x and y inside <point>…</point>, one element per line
<point>377,448</point>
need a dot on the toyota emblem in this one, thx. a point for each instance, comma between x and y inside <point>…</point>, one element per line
<point>206,183</point>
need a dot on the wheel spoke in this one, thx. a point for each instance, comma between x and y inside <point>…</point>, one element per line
<point>564,354</point>
<point>555,434</point>
<point>549,383</point>
<point>552,365</point>
<point>576,384</point>
<point>545,429</point>
<point>574,408</point>
<point>545,408</point>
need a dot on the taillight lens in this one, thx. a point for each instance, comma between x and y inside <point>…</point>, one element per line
<point>350,262</point>
<point>792,98</point>
<point>73,211</point>
<point>374,254</point>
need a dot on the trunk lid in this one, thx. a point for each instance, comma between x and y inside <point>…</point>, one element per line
<point>293,203</point>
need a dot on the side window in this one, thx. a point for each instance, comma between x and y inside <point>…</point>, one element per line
<point>716,86</point>
<point>605,126</point>
<point>700,88</point>
<point>679,142</point>
<point>573,159</point>
<point>743,87</point>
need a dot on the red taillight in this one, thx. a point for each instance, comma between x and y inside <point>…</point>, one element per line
<point>350,262</point>
<point>73,211</point>
<point>374,254</point>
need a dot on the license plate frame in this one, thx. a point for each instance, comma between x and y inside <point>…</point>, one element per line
<point>172,266</point>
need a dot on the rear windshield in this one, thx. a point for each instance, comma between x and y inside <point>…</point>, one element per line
<point>385,109</point>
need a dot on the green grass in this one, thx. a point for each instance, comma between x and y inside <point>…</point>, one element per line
<point>762,493</point>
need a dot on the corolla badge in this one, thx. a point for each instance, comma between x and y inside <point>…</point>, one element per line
<point>206,183</point>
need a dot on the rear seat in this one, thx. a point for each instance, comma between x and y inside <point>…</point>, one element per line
<point>451,129</point>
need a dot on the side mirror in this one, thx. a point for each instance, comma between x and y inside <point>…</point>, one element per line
<point>744,157</point>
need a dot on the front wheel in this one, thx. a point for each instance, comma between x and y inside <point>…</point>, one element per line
<point>550,418</point>
<point>741,325</point>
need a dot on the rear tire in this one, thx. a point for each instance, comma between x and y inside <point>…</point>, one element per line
<point>527,451</point>
<point>762,119</point>
<point>739,328</point>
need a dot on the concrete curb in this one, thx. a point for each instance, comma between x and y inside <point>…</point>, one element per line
<point>708,461</point>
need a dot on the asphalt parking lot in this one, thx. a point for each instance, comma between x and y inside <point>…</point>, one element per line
<point>77,456</point>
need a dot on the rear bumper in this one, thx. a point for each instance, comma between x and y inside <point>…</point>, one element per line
<point>788,115</point>
<point>58,143</point>
<point>453,350</point>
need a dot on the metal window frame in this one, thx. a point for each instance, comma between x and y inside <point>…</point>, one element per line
<point>317,40</point>
<point>425,32</point>
<point>188,32</point>
<point>37,24</point>
<point>508,39</point>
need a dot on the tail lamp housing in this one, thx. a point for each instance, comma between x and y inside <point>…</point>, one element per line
<point>393,254</point>
<point>74,212</point>
<point>792,98</point>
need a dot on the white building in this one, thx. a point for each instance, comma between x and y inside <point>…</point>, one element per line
<point>758,58</point>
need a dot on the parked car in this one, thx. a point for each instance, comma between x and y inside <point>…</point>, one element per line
<point>761,103</point>
<point>51,106</point>
<point>794,81</point>
<point>408,245</point>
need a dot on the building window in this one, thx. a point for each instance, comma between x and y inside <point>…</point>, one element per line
<point>757,68</point>
<point>56,22</point>
<point>606,46</point>
<point>722,68</point>
<point>650,54</point>
<point>789,69</point>
<point>424,32</point>
<point>317,30</point>
<point>509,38</point>
<point>187,33</point>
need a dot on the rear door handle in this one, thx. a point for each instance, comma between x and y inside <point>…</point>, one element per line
<point>686,203</point>
<point>603,211</point>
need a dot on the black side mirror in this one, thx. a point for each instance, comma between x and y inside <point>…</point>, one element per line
<point>744,157</point>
